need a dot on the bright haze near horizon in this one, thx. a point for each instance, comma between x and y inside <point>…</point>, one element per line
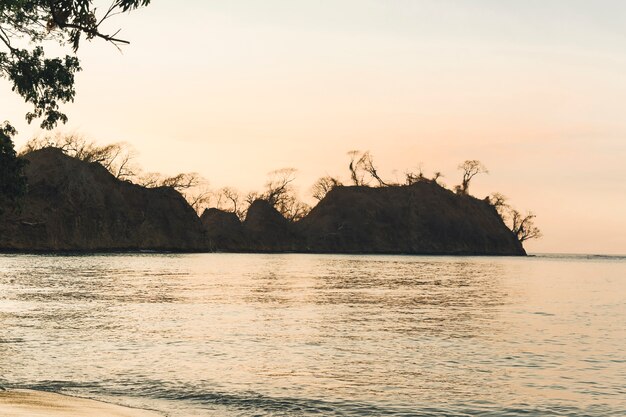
<point>235,89</point>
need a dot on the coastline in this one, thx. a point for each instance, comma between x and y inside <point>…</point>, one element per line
<point>29,403</point>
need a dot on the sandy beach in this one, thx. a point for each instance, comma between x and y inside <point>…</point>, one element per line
<point>27,403</point>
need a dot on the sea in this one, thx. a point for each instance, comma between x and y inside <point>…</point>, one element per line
<point>319,335</point>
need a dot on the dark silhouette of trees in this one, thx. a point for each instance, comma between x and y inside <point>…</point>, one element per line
<point>43,82</point>
<point>12,179</point>
<point>229,199</point>
<point>356,168</point>
<point>323,185</point>
<point>498,201</point>
<point>191,185</point>
<point>522,226</point>
<point>470,169</point>
<point>367,162</point>
<point>362,164</point>
<point>117,158</point>
<point>46,83</point>
<point>279,192</point>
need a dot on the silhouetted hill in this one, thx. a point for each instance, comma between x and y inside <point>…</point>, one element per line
<point>422,218</point>
<point>74,205</point>
<point>224,230</point>
<point>264,230</point>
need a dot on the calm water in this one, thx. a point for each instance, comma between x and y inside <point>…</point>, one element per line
<point>303,335</point>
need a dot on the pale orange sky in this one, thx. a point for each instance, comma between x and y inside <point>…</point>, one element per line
<point>234,89</point>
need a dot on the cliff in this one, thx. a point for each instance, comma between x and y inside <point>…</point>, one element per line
<point>74,205</point>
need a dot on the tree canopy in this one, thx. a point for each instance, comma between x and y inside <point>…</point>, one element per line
<point>25,25</point>
<point>42,81</point>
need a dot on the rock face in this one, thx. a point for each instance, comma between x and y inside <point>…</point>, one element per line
<point>74,205</point>
<point>422,218</point>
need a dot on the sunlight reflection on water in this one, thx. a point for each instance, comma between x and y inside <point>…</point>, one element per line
<point>234,334</point>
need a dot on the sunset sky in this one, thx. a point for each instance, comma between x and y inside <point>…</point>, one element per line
<point>233,89</point>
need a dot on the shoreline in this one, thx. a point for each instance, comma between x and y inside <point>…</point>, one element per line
<point>31,403</point>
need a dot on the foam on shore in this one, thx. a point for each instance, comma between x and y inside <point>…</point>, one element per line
<point>28,403</point>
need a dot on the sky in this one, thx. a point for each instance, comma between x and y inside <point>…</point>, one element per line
<point>235,89</point>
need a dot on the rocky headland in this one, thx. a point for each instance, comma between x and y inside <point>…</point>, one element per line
<point>72,205</point>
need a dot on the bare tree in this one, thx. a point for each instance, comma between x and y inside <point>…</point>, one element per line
<point>278,185</point>
<point>279,192</point>
<point>498,201</point>
<point>294,209</point>
<point>117,158</point>
<point>193,187</point>
<point>251,197</point>
<point>323,185</point>
<point>470,169</point>
<point>356,167</point>
<point>414,177</point>
<point>199,199</point>
<point>523,226</point>
<point>229,199</point>
<point>368,165</point>
<point>182,181</point>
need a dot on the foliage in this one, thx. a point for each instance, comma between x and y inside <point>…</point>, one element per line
<point>12,179</point>
<point>45,82</point>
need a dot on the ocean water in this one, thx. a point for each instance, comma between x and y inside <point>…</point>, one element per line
<point>320,335</point>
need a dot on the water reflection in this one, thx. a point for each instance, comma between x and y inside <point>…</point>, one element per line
<point>302,335</point>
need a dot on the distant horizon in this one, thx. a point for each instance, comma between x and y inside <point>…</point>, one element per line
<point>235,90</point>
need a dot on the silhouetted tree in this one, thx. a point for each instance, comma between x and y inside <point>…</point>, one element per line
<point>192,186</point>
<point>323,185</point>
<point>355,167</point>
<point>498,201</point>
<point>470,169</point>
<point>280,194</point>
<point>117,158</point>
<point>367,162</point>
<point>523,226</point>
<point>229,199</point>
<point>12,179</point>
<point>251,197</point>
<point>26,26</point>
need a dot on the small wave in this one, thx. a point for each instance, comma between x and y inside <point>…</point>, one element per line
<point>257,404</point>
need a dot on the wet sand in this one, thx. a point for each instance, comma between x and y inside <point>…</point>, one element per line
<point>27,403</point>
